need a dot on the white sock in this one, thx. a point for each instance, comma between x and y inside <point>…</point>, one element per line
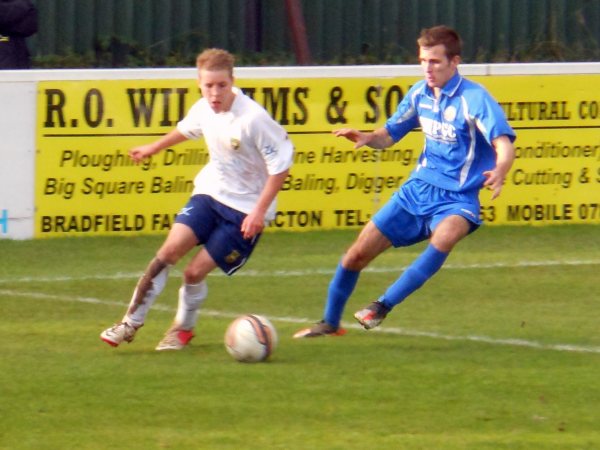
<point>136,314</point>
<point>191,297</point>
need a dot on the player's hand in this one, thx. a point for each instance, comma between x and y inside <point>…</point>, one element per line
<point>252,225</point>
<point>140,153</point>
<point>494,181</point>
<point>358,137</point>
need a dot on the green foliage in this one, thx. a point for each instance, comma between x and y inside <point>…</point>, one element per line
<point>499,351</point>
<point>113,52</point>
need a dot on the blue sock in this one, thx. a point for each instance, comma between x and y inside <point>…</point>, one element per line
<point>340,288</point>
<point>421,270</point>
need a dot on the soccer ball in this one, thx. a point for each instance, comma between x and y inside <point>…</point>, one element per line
<point>250,338</point>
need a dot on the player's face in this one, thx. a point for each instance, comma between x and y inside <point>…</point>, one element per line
<point>437,67</point>
<point>215,86</point>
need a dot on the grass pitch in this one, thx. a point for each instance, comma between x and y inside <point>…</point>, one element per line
<point>500,350</point>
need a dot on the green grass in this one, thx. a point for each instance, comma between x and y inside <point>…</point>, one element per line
<point>500,350</point>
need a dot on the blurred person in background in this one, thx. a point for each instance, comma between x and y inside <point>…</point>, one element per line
<point>18,21</point>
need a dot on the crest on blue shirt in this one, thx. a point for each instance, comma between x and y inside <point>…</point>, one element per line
<point>450,114</point>
<point>235,143</point>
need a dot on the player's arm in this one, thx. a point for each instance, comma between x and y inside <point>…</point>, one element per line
<point>255,221</point>
<point>505,155</point>
<point>402,121</point>
<point>379,138</point>
<point>144,151</point>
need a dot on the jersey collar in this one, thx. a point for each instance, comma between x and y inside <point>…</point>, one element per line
<point>237,99</point>
<point>451,86</point>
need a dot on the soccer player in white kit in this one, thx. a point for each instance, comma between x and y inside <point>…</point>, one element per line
<point>234,198</point>
<point>468,146</point>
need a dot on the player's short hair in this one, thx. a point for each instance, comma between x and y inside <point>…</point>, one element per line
<point>215,59</point>
<point>441,35</point>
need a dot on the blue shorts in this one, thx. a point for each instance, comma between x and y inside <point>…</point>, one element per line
<point>218,228</point>
<point>414,211</point>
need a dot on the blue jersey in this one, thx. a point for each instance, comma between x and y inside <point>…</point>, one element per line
<point>459,128</point>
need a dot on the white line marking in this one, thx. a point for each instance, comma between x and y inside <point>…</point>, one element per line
<point>307,272</point>
<point>297,320</point>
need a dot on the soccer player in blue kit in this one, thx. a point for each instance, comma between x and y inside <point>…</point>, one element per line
<point>468,146</point>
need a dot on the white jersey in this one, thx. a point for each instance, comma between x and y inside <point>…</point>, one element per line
<point>245,146</point>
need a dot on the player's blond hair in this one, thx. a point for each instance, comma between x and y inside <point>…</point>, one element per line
<point>215,59</point>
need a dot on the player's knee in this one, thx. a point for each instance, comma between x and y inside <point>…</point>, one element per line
<point>190,276</point>
<point>193,275</point>
<point>355,260</point>
<point>168,255</point>
<point>449,233</point>
<point>446,240</point>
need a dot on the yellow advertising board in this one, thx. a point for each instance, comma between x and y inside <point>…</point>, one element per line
<point>86,184</point>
